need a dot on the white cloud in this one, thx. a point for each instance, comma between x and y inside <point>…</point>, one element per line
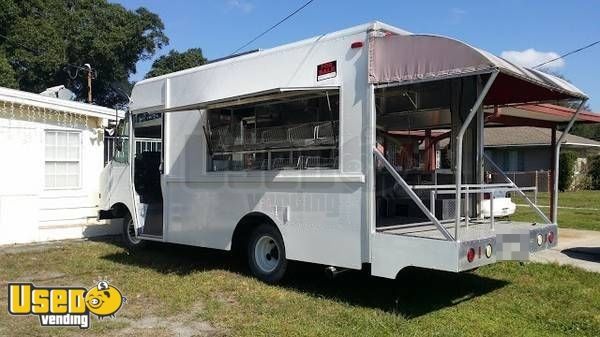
<point>242,5</point>
<point>456,15</point>
<point>531,58</point>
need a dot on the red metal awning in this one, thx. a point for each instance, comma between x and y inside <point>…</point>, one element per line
<point>406,59</point>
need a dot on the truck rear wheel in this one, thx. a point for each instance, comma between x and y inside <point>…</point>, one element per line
<point>129,239</point>
<point>266,254</point>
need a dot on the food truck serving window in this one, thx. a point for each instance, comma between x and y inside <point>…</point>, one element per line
<point>293,133</point>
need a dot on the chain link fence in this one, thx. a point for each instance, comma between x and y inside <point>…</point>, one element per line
<point>538,179</point>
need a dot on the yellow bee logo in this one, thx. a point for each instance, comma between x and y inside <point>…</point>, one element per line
<point>104,300</point>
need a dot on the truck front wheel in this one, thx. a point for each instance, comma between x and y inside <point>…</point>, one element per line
<point>131,241</point>
<point>266,254</point>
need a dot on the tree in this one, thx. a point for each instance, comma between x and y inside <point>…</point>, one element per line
<point>7,74</point>
<point>591,131</point>
<point>175,61</point>
<point>45,41</point>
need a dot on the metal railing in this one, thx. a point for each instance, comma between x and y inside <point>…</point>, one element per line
<point>537,178</point>
<point>466,190</point>
<point>413,196</point>
<point>462,215</point>
<point>297,135</point>
<point>520,191</point>
<point>141,145</point>
<point>280,163</point>
<point>148,145</point>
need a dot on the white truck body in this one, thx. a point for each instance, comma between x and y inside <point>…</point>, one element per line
<point>325,216</point>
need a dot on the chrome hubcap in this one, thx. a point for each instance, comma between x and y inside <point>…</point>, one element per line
<point>266,253</point>
<point>131,233</point>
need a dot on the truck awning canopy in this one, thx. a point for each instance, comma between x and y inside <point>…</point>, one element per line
<point>282,94</point>
<point>412,58</point>
<point>285,93</point>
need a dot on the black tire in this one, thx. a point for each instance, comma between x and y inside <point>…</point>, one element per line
<point>266,254</point>
<point>128,235</point>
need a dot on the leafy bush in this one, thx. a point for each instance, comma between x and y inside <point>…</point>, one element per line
<point>566,170</point>
<point>582,182</point>
<point>594,172</point>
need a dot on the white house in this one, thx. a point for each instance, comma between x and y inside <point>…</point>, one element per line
<point>51,155</point>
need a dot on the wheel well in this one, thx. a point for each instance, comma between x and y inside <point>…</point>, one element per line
<point>245,226</point>
<point>119,210</point>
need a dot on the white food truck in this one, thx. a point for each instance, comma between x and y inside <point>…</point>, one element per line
<point>324,151</point>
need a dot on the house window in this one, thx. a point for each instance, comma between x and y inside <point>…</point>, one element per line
<point>62,159</point>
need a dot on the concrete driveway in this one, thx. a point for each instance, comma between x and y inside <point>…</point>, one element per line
<point>579,248</point>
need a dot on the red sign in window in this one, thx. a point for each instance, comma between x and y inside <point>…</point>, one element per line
<point>326,70</point>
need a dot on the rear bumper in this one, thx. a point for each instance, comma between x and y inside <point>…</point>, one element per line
<point>508,244</point>
<point>539,237</point>
<point>392,252</point>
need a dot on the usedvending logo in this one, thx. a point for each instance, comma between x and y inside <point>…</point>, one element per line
<point>64,306</point>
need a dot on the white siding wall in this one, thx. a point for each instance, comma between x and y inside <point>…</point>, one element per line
<point>29,211</point>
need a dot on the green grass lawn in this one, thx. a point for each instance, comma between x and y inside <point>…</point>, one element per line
<point>584,218</point>
<point>170,288</point>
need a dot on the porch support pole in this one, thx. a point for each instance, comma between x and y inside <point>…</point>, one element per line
<point>459,148</point>
<point>557,160</point>
<point>551,185</point>
<point>429,151</point>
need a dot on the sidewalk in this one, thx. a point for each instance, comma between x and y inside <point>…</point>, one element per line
<point>579,248</point>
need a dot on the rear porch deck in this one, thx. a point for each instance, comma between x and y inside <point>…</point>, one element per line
<point>476,229</point>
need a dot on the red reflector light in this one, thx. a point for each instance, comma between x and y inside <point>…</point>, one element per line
<point>470,254</point>
<point>551,237</point>
<point>355,45</point>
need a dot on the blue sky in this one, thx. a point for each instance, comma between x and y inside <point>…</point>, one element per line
<point>525,31</point>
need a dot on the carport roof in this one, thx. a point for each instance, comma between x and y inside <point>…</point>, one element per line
<point>543,115</point>
<point>531,136</point>
<point>527,136</point>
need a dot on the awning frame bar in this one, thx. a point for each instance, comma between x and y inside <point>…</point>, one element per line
<point>459,147</point>
<point>435,79</point>
<point>563,136</point>
<point>249,98</point>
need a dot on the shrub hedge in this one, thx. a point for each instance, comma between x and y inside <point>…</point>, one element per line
<point>566,170</point>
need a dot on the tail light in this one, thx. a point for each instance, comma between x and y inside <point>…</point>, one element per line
<point>486,196</point>
<point>550,237</point>
<point>470,254</point>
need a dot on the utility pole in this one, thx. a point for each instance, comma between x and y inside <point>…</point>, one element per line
<point>89,82</point>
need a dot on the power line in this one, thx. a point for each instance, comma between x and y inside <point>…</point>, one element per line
<point>38,53</point>
<point>567,54</point>
<point>19,44</point>
<point>273,26</point>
